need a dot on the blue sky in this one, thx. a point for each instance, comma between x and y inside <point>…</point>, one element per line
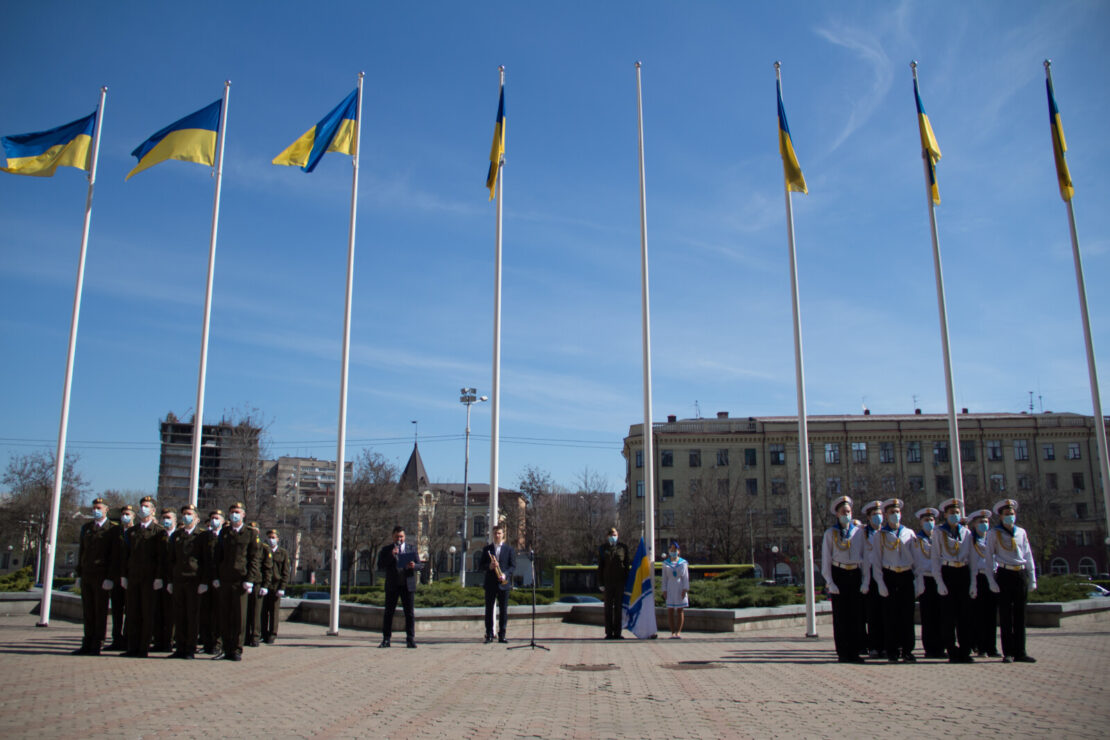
<point>571,374</point>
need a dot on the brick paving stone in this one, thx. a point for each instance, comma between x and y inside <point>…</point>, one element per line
<point>769,684</point>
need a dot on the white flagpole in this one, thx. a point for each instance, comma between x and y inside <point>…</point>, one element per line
<point>198,418</point>
<point>1096,403</point>
<point>495,392</point>
<point>47,573</point>
<point>803,428</point>
<point>645,314</point>
<point>340,472</point>
<point>942,309</point>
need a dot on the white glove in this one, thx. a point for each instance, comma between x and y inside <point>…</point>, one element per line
<point>107,585</point>
<point>864,589</point>
<point>157,584</point>
<point>123,581</point>
<point>974,591</point>
<point>883,591</point>
<point>216,583</point>
<point>263,591</point>
<point>202,588</point>
<point>1032,587</point>
<point>601,588</point>
<point>281,594</point>
<point>833,589</point>
<point>77,584</point>
<point>942,590</point>
<point>248,587</point>
<point>919,589</point>
<point>994,588</point>
<point>169,589</point>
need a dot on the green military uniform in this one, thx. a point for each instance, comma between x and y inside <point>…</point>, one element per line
<point>163,602</point>
<point>146,565</point>
<point>210,620</point>
<point>279,577</point>
<point>254,600</point>
<point>119,592</point>
<point>238,563</point>
<point>613,564</point>
<point>185,574</point>
<point>98,569</point>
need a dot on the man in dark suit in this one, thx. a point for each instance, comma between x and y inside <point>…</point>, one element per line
<point>146,567</point>
<point>238,569</point>
<point>97,572</point>
<point>498,587</point>
<point>399,582</point>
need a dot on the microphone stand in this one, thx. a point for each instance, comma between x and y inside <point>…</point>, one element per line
<point>532,566</point>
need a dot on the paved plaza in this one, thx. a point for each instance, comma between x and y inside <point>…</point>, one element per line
<point>771,683</point>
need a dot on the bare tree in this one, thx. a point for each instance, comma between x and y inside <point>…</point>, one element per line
<point>372,505</point>
<point>243,448</point>
<point>716,523</point>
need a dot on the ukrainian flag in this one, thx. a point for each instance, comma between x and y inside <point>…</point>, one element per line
<point>497,148</point>
<point>192,139</point>
<point>334,133</point>
<point>795,180</point>
<point>41,154</point>
<point>1059,146</point>
<point>929,146</point>
<point>638,601</point>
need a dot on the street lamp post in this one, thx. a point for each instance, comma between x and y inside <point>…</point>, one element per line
<point>468,397</point>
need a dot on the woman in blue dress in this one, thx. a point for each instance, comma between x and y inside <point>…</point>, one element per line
<point>676,586</point>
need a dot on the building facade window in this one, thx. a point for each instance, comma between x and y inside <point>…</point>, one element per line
<point>639,458</point>
<point>1077,482</point>
<point>667,518</point>
<point>890,484</point>
<point>971,482</point>
<point>944,484</point>
<point>832,487</point>
<point>994,450</point>
<point>668,489</point>
<point>832,453</point>
<point>1086,566</point>
<point>695,458</point>
<point>722,458</point>
<point>1051,481</point>
<point>1059,567</point>
<point>917,483</point>
<point>1025,482</point>
<point>722,487</point>
<point>967,451</point>
<point>666,458</point>
<point>749,457</point>
<point>778,486</point>
<point>752,486</point>
<point>782,517</point>
<point>886,452</point>
<point>859,453</point>
<point>998,483</point>
<point>913,452</point>
<point>1021,449</point>
<point>479,526</point>
<point>940,451</point>
<point>859,485</point>
<point>1049,451</point>
<point>695,486</point>
<point>639,489</point>
<point>778,454</point>
<point>1074,452</point>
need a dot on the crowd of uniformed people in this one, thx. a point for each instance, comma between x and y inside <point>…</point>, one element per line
<point>970,581</point>
<point>177,584</point>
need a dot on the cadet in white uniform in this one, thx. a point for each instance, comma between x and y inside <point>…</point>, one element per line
<point>925,585</point>
<point>983,586</point>
<point>892,571</point>
<point>873,603</point>
<point>1008,544</point>
<point>952,549</point>
<point>847,578</point>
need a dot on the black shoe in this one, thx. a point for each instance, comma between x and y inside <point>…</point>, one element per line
<point>908,658</point>
<point>1008,659</point>
<point>218,655</point>
<point>269,640</point>
<point>81,651</point>
<point>502,639</point>
<point>410,643</point>
<point>892,659</point>
<point>850,659</point>
<point>384,643</point>
<point>991,654</point>
<point>127,654</point>
<point>141,654</point>
<point>253,643</point>
<point>618,637</point>
<point>1025,659</point>
<point>235,656</point>
<point>116,645</point>
<point>174,655</point>
<point>188,656</point>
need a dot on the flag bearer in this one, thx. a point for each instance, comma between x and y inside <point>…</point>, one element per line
<point>843,565</point>
<point>1017,576</point>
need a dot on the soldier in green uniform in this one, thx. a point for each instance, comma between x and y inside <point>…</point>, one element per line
<point>119,592</point>
<point>210,622</point>
<point>279,577</point>
<point>146,564</point>
<point>163,600</point>
<point>97,572</point>
<point>613,563</point>
<point>238,569</point>
<point>254,601</point>
<point>185,579</point>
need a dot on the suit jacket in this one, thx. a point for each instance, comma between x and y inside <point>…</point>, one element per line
<point>98,553</point>
<point>239,555</point>
<point>395,579</point>
<point>507,561</point>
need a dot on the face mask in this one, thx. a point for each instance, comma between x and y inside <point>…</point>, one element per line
<point>145,511</point>
<point>612,540</point>
<point>953,519</point>
<point>188,518</point>
<point>893,519</point>
<point>273,542</point>
<point>214,524</point>
<point>673,554</point>
<point>126,518</point>
<point>927,526</point>
<point>1009,520</point>
<point>982,527</point>
<point>876,519</point>
<point>844,519</point>
<point>236,517</point>
<point>167,523</point>
<point>98,514</point>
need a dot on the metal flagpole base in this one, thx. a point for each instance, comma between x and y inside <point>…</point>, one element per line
<point>330,633</point>
<point>532,643</point>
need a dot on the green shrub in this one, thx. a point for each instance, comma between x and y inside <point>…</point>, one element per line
<point>1061,588</point>
<point>17,580</point>
<point>447,592</point>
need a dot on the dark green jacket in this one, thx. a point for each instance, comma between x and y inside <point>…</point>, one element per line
<point>185,554</point>
<point>98,553</point>
<point>612,565</point>
<point>279,573</point>
<point>146,557</point>
<point>207,542</point>
<point>239,555</point>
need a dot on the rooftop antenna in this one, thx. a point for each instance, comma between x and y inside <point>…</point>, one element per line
<point>915,402</point>
<point>415,432</point>
<point>863,403</point>
<point>697,410</point>
<point>1030,401</point>
<point>1041,399</point>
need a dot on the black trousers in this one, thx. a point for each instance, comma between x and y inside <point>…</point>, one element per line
<point>163,619</point>
<point>210,620</point>
<point>406,596</point>
<point>873,607</point>
<point>1013,592</point>
<point>254,614</point>
<point>613,611</point>
<point>118,605</point>
<point>984,612</point>
<point>501,596</point>
<point>233,600</point>
<point>847,606</point>
<point>958,612</point>
<point>271,603</point>
<point>898,612</point>
<point>94,610</point>
<point>140,615</point>
<point>186,611</point>
<point>932,635</point>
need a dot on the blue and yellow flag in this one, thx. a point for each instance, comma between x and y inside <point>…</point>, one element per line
<point>1059,146</point>
<point>497,148</point>
<point>42,153</point>
<point>638,602</point>
<point>192,139</point>
<point>791,170</point>
<point>334,133</point>
<point>930,149</point>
